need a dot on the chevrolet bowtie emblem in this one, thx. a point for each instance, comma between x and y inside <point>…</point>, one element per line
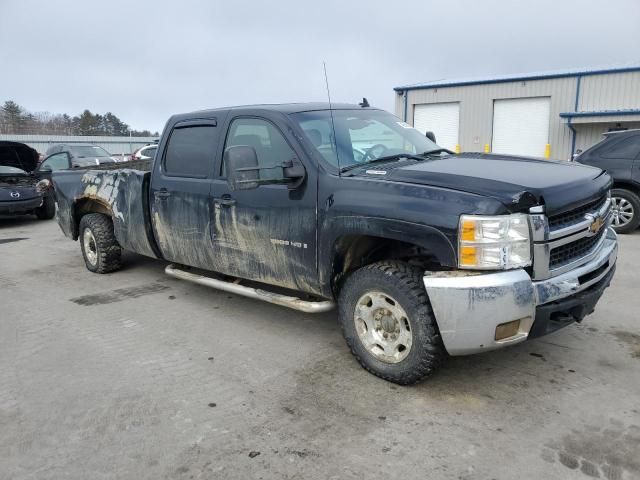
<point>596,225</point>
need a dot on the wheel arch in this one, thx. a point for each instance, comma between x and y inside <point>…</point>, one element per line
<point>84,206</point>
<point>626,185</point>
<point>420,245</point>
<point>627,225</point>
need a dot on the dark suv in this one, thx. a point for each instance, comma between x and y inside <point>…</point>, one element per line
<point>619,155</point>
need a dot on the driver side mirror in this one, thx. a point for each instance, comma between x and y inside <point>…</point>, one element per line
<point>431,136</point>
<point>241,163</point>
<point>243,169</point>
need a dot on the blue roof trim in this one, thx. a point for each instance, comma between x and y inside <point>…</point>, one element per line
<point>600,113</point>
<point>516,78</point>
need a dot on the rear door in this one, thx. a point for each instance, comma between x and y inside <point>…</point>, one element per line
<point>621,160</point>
<point>267,234</point>
<point>635,172</point>
<point>618,156</point>
<point>180,193</point>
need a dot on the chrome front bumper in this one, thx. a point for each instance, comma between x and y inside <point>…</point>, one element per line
<point>468,306</point>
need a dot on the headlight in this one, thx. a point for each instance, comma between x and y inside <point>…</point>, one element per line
<point>43,185</point>
<point>494,243</point>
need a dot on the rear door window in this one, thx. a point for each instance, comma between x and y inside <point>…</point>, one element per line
<point>190,151</point>
<point>628,148</point>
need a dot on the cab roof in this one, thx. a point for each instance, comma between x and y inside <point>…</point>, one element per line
<point>286,108</point>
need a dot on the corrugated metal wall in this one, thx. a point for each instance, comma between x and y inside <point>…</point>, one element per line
<point>614,91</point>
<point>113,145</point>
<point>591,133</point>
<point>618,91</point>
<point>400,106</point>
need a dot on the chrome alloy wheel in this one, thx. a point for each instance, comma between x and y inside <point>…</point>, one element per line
<point>90,249</point>
<point>383,327</point>
<point>622,211</point>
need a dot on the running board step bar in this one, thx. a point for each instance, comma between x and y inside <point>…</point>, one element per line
<point>235,287</point>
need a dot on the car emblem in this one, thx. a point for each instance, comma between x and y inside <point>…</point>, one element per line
<point>15,194</point>
<point>596,224</point>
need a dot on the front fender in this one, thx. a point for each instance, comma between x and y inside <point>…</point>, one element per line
<point>425,236</point>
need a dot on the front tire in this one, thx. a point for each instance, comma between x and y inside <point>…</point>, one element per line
<point>100,249</point>
<point>625,208</point>
<point>388,323</point>
<point>47,210</point>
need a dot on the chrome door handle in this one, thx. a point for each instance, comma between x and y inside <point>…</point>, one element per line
<point>225,201</point>
<point>163,193</point>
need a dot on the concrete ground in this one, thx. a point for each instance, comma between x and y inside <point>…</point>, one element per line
<point>137,375</point>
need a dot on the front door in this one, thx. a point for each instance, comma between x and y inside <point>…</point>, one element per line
<point>180,195</point>
<point>267,234</point>
<point>53,163</point>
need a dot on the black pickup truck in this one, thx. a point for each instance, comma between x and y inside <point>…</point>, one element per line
<point>426,253</point>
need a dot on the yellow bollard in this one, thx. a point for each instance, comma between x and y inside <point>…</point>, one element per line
<point>486,148</point>
<point>547,151</point>
<point>457,148</point>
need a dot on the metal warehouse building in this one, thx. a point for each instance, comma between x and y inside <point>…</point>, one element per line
<point>551,114</point>
<point>113,145</point>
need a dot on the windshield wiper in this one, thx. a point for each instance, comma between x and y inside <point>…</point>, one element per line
<point>438,150</point>
<point>388,158</point>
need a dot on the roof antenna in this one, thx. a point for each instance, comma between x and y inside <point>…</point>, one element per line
<point>333,126</point>
<point>364,103</point>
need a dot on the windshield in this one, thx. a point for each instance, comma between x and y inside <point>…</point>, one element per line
<point>362,136</point>
<point>4,170</point>
<point>89,151</point>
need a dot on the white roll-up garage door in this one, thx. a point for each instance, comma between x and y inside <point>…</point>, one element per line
<point>521,126</point>
<point>443,119</point>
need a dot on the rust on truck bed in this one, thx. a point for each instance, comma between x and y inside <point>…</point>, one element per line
<point>119,191</point>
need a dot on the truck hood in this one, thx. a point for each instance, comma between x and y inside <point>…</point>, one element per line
<point>18,155</point>
<point>517,182</point>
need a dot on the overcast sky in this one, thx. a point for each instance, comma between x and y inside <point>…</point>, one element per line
<point>144,61</point>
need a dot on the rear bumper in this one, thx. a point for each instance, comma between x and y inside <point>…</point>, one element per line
<point>468,306</point>
<point>20,207</point>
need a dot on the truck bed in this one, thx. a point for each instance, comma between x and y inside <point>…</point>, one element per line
<point>140,165</point>
<point>121,190</point>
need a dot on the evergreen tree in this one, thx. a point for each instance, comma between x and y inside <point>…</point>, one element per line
<point>13,116</point>
<point>88,123</point>
<point>16,120</point>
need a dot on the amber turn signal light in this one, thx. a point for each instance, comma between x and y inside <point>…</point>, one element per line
<point>506,330</point>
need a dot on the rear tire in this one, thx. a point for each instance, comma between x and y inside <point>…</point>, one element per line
<point>47,210</point>
<point>100,249</point>
<point>625,210</point>
<point>388,323</point>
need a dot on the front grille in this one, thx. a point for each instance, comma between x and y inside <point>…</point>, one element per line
<point>577,215</point>
<point>565,254</point>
